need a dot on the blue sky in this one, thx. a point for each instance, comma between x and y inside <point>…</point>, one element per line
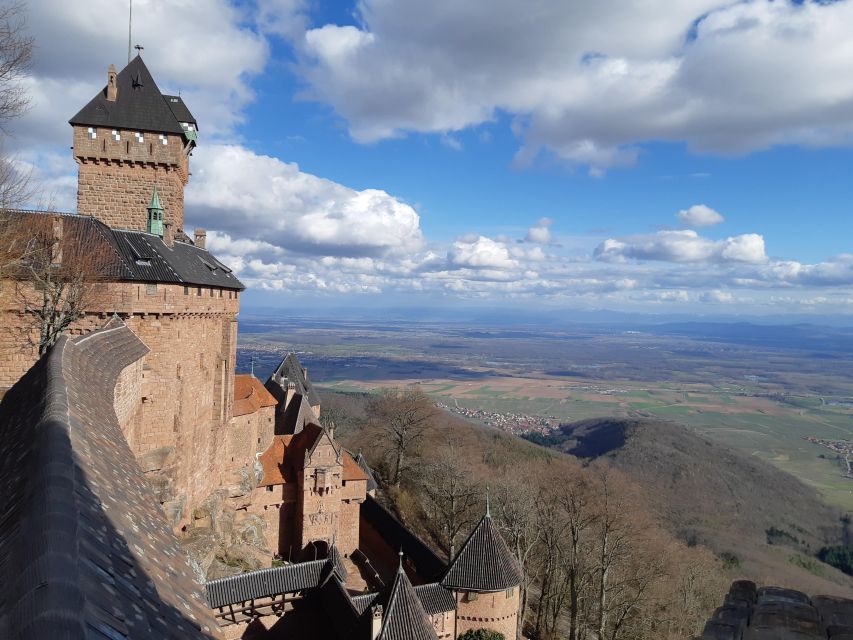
<point>653,157</point>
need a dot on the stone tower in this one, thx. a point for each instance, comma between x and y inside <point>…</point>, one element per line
<point>484,578</point>
<point>129,139</point>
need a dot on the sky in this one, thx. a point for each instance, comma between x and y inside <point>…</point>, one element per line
<point>688,157</point>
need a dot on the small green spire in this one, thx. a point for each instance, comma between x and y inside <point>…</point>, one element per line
<point>155,214</point>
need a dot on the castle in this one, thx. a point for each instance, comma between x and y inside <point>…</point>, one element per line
<point>132,443</point>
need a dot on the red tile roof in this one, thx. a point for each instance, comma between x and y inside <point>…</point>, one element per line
<point>351,469</point>
<point>276,471</point>
<point>250,395</point>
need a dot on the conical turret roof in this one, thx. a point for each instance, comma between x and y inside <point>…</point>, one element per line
<point>404,616</point>
<point>484,563</point>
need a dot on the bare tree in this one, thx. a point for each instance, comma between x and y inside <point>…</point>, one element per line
<point>16,49</point>
<point>402,416</point>
<point>451,495</point>
<point>514,509</point>
<point>59,264</point>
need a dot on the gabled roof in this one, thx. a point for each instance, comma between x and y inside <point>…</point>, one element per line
<point>404,617</point>
<point>372,485</point>
<point>139,105</point>
<point>351,469</point>
<point>484,562</point>
<point>297,415</point>
<point>263,583</point>
<point>395,535</point>
<point>85,550</point>
<point>250,395</point>
<point>291,369</point>
<point>137,256</point>
<point>275,464</point>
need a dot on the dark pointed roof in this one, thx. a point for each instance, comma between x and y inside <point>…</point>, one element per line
<point>484,563</point>
<point>291,369</point>
<point>404,617</point>
<point>139,105</point>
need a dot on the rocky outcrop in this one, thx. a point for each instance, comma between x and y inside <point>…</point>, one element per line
<point>773,613</point>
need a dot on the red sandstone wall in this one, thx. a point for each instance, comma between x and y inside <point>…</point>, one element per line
<point>494,611</point>
<point>116,178</point>
<point>127,400</point>
<point>319,512</point>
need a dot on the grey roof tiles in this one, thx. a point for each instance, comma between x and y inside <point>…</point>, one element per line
<point>484,562</point>
<point>435,598</point>
<point>139,105</point>
<point>136,256</point>
<point>404,617</point>
<point>84,549</point>
<point>263,583</point>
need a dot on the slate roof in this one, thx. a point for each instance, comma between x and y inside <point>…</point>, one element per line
<point>85,551</point>
<point>435,598</point>
<point>427,565</point>
<point>404,617</point>
<point>250,395</point>
<point>138,106</point>
<point>137,256</point>
<point>291,369</point>
<point>372,485</point>
<point>484,562</point>
<point>263,583</point>
<point>180,110</point>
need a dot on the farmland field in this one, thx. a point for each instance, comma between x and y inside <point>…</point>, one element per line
<point>763,393</point>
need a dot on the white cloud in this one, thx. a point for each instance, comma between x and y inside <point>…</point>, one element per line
<point>245,194</point>
<point>540,233</point>
<point>202,48</point>
<point>480,253</point>
<point>699,215</point>
<point>590,81</point>
<point>683,246</point>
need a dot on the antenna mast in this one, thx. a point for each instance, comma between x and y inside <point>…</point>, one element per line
<point>129,27</point>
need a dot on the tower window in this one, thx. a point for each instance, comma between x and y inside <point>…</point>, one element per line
<point>186,290</point>
<point>163,139</point>
<point>151,289</point>
<point>198,293</point>
<point>92,133</point>
<point>139,137</point>
<point>116,135</point>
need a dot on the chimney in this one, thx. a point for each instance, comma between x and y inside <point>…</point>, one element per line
<point>305,373</point>
<point>291,391</point>
<point>112,88</point>
<point>57,241</point>
<point>375,621</point>
<point>169,234</point>
<point>200,238</point>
